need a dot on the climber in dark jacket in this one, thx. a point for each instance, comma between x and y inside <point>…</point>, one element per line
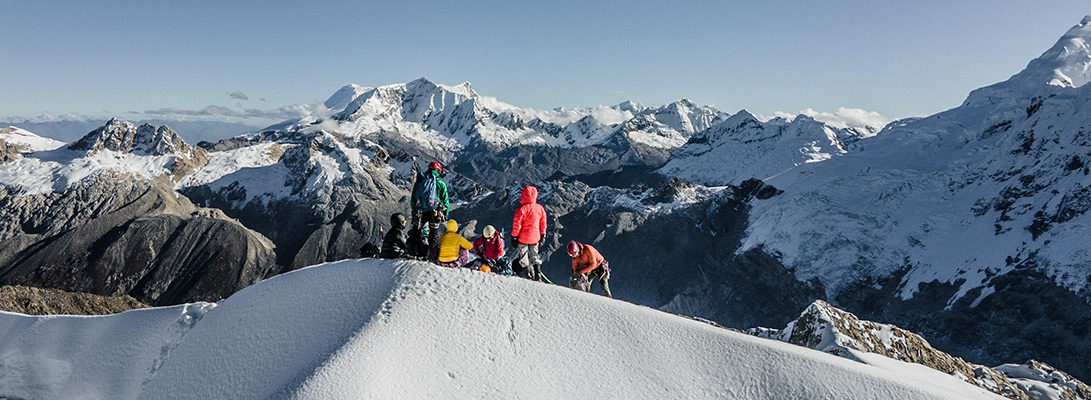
<point>394,241</point>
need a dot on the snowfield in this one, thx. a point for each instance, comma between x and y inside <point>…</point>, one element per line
<point>404,329</point>
<point>28,141</point>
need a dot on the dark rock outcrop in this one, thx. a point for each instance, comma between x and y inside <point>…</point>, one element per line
<point>672,246</point>
<point>116,235</point>
<point>315,224</point>
<point>1027,316</point>
<point>38,301</point>
<point>8,152</point>
<point>826,328</point>
<point>528,164</point>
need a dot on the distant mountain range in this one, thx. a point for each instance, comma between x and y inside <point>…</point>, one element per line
<point>72,129</point>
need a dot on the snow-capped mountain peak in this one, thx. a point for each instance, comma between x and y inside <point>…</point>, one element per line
<point>1070,58</point>
<point>124,137</point>
<point>448,119</point>
<point>118,147</point>
<point>732,126</point>
<point>671,125</point>
<point>630,106</point>
<point>1065,65</point>
<point>740,117</point>
<point>341,99</point>
<point>415,101</point>
<point>743,147</point>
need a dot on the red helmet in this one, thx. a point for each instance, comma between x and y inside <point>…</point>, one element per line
<point>435,165</point>
<point>574,249</point>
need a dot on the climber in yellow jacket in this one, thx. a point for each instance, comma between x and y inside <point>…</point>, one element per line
<point>453,248</point>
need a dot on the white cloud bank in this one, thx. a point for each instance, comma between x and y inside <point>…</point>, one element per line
<point>842,118</point>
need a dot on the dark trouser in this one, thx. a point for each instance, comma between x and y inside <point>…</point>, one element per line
<point>528,258</point>
<point>583,282</point>
<point>432,219</point>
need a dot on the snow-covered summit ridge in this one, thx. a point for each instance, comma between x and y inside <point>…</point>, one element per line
<point>365,337</point>
<point>1065,65</point>
<point>342,97</point>
<point>1070,58</point>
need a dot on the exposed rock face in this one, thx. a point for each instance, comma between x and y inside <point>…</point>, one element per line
<point>37,301</point>
<point>528,164</point>
<point>1026,316</point>
<point>829,329</point>
<point>8,152</point>
<point>671,246</point>
<point>115,235</point>
<point>327,212</point>
<point>147,139</point>
<point>1040,378</point>
<point>124,137</point>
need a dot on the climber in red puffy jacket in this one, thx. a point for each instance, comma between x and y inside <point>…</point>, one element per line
<point>528,228</point>
<point>489,247</point>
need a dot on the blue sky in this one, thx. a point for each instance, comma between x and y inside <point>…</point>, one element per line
<point>113,58</point>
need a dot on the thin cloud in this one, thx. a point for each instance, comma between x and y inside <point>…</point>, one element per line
<point>53,118</point>
<point>286,112</point>
<point>238,95</point>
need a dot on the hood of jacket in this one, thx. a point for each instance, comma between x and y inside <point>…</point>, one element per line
<point>397,221</point>
<point>452,226</point>
<point>530,195</point>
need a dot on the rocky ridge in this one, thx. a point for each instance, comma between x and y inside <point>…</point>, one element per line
<point>643,226</point>
<point>9,152</point>
<point>826,328</point>
<point>147,139</point>
<point>38,301</point>
<point>116,235</point>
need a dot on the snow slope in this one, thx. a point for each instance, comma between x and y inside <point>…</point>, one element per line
<point>959,197</point>
<point>28,141</point>
<point>56,170</point>
<point>386,329</point>
<point>743,147</point>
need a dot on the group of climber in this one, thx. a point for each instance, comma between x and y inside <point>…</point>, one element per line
<point>430,203</point>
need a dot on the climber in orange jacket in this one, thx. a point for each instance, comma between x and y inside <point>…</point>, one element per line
<point>587,263</point>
